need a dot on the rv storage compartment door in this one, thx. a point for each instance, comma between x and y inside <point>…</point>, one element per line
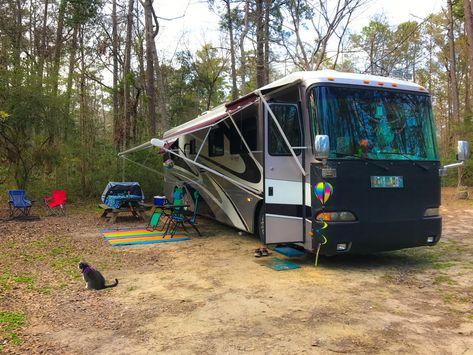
<point>283,187</point>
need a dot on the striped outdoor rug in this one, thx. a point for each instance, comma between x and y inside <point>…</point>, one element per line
<point>129,236</point>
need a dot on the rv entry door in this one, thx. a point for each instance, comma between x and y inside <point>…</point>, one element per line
<point>283,179</point>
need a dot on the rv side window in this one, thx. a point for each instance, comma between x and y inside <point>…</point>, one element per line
<point>288,118</point>
<point>189,148</point>
<point>175,146</point>
<point>247,127</point>
<point>216,142</point>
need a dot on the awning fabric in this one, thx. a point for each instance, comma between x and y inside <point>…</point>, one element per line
<point>221,112</point>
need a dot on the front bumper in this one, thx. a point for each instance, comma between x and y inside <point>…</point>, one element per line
<point>366,237</point>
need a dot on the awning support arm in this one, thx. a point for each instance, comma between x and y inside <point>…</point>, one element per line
<point>282,133</point>
<point>244,142</point>
<point>203,142</point>
<point>142,165</point>
<point>143,146</point>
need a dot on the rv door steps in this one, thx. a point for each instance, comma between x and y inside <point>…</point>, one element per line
<point>289,251</point>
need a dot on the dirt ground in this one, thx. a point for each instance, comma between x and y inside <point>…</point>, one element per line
<point>209,295</point>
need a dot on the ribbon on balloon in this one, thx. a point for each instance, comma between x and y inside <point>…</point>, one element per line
<point>323,191</point>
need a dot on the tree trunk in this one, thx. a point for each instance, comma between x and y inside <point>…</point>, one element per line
<point>150,91</point>
<point>164,126</point>
<point>42,46</point>
<point>267,9</point>
<point>17,43</point>
<point>260,80</point>
<point>467,8</point>
<point>82,117</point>
<point>243,35</point>
<point>232,51</point>
<point>58,47</point>
<point>72,63</point>
<point>116,107</point>
<point>453,66</point>
<point>126,75</point>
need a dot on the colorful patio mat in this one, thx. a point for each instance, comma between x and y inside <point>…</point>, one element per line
<point>129,236</point>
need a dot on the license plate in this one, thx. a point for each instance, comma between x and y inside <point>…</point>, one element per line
<point>387,182</point>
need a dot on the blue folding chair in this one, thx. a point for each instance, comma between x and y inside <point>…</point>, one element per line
<point>18,204</point>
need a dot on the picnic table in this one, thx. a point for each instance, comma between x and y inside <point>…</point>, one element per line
<point>137,209</point>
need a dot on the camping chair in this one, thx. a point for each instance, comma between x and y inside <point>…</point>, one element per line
<point>178,199</point>
<point>18,204</point>
<point>56,203</point>
<point>180,216</point>
<point>154,221</point>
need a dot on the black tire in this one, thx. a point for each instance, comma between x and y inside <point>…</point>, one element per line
<point>259,228</point>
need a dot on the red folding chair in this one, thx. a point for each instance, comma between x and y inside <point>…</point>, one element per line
<point>56,203</point>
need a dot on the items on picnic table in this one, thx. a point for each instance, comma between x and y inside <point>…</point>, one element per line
<point>121,197</point>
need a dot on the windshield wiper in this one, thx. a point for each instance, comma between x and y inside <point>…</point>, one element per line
<point>408,158</point>
<point>368,160</point>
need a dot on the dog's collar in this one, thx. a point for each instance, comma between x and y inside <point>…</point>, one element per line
<point>86,270</point>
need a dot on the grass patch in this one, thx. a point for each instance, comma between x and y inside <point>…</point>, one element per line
<point>470,316</point>
<point>442,265</point>
<point>444,255</point>
<point>25,279</point>
<point>444,279</point>
<point>45,290</point>
<point>10,322</point>
<point>5,281</point>
<point>57,251</point>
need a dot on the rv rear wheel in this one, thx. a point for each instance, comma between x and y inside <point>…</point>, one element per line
<point>260,224</point>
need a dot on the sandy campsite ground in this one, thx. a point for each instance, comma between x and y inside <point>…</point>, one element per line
<point>210,295</point>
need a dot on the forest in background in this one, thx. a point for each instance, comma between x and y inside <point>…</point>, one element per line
<point>81,80</point>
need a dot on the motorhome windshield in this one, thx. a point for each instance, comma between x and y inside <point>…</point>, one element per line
<point>373,123</point>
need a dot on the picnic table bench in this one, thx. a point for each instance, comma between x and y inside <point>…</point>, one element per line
<point>138,211</point>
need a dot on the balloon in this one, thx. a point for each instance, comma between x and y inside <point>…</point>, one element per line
<point>323,191</point>
<point>168,164</point>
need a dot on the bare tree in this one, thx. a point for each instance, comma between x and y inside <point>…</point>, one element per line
<point>324,20</point>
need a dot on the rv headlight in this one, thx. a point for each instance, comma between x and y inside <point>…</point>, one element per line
<point>431,212</point>
<point>342,216</point>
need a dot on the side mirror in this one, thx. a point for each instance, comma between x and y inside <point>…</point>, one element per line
<point>463,152</point>
<point>321,147</point>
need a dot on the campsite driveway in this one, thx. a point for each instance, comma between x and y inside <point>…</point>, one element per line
<point>210,295</point>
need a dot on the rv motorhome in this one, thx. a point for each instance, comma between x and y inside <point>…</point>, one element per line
<point>337,161</point>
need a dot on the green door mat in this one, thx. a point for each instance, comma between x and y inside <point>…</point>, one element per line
<point>279,264</point>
